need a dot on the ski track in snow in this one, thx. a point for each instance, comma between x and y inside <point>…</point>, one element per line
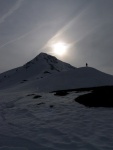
<point>31,124</point>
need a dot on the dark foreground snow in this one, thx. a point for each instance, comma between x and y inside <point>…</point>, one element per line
<point>52,123</point>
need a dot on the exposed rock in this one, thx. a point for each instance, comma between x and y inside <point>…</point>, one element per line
<point>25,80</point>
<point>37,96</point>
<point>61,93</point>
<point>99,97</point>
<point>51,106</point>
<point>46,72</point>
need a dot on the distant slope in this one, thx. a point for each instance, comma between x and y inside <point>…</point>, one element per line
<point>78,78</point>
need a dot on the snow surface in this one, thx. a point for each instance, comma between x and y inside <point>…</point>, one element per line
<point>51,122</point>
<point>46,73</point>
<point>31,124</point>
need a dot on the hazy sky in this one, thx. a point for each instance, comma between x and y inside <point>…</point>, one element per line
<point>26,26</point>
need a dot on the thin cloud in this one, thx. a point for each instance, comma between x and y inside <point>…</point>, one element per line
<point>11,41</point>
<point>19,38</point>
<point>67,26</point>
<point>11,11</point>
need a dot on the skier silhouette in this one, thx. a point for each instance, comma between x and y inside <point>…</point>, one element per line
<point>86,65</point>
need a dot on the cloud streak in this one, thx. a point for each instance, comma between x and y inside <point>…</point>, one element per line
<point>11,11</point>
<point>67,26</point>
<point>19,38</point>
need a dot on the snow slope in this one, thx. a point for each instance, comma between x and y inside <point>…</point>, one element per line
<point>46,73</point>
<point>31,124</point>
<point>41,66</point>
<point>49,122</point>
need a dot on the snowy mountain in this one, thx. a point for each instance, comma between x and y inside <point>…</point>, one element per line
<point>31,118</point>
<point>41,66</point>
<point>46,73</point>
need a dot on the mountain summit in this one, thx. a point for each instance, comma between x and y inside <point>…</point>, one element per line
<point>45,62</point>
<point>39,67</point>
<point>47,73</point>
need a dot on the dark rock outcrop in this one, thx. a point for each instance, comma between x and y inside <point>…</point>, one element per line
<point>61,93</point>
<point>99,97</point>
<point>37,96</point>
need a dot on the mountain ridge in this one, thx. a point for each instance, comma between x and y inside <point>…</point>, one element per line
<point>47,73</point>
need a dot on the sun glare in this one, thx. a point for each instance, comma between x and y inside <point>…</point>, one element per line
<point>60,48</point>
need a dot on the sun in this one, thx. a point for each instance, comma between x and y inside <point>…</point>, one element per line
<point>60,48</point>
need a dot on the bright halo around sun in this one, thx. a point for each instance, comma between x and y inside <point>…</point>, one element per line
<point>60,48</point>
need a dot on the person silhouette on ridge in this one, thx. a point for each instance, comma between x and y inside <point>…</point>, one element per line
<point>86,65</point>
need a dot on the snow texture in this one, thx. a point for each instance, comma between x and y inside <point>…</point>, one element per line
<point>33,119</point>
<point>31,124</point>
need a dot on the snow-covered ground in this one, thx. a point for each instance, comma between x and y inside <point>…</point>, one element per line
<point>46,73</point>
<point>52,123</point>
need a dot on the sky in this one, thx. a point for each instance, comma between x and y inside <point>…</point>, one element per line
<point>27,27</point>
